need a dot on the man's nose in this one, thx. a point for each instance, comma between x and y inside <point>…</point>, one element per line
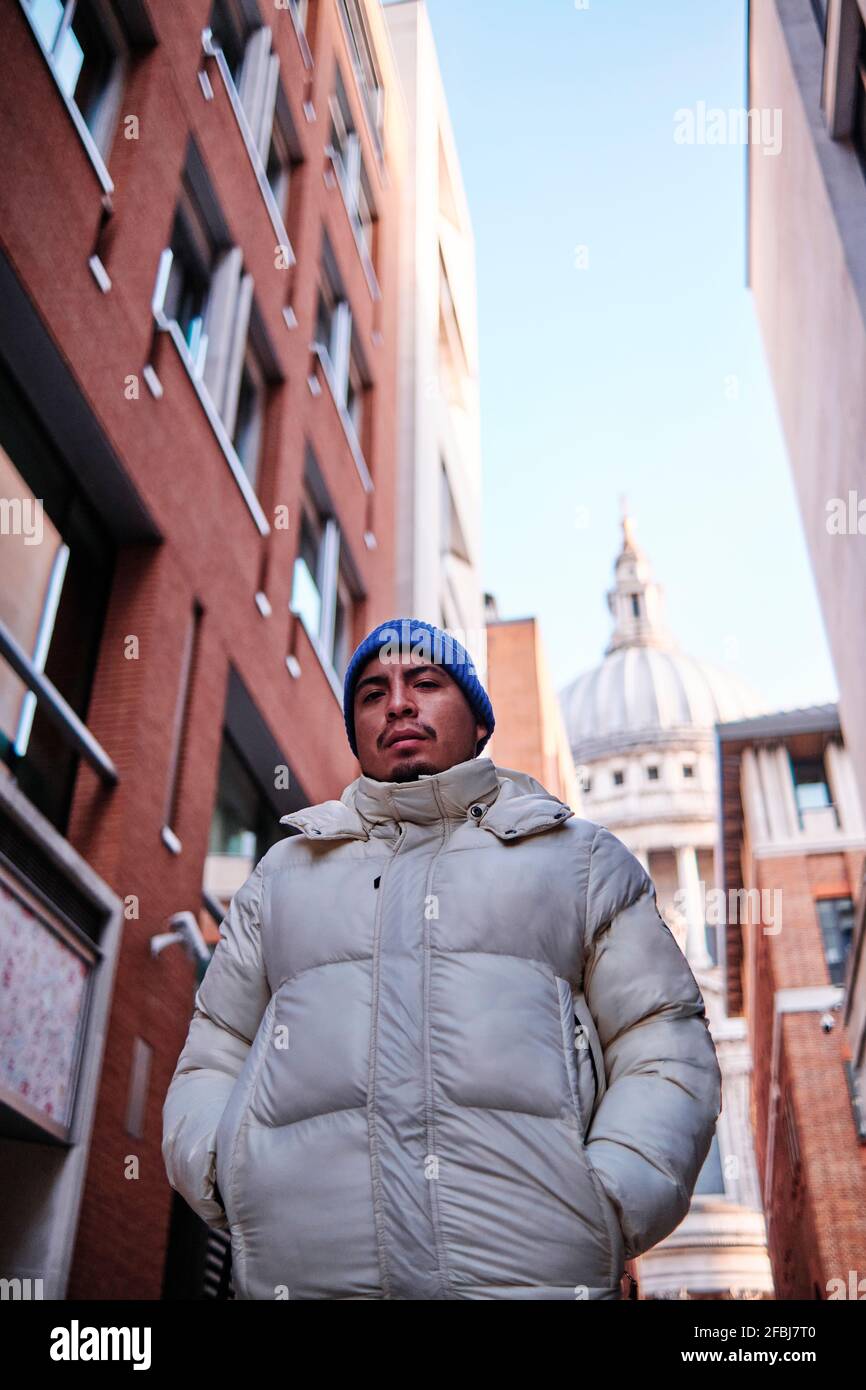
<point>401,700</point>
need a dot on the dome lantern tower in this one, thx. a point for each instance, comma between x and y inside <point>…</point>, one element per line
<point>635,599</point>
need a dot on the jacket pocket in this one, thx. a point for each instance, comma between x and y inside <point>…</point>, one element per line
<point>230,1125</point>
<point>580,1065</point>
<point>584,1063</point>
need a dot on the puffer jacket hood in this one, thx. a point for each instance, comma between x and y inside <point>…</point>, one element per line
<point>446,1048</point>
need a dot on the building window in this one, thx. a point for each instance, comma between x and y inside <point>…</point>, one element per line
<point>652,773</point>
<point>857,1096</point>
<point>453,364</point>
<point>339,351</point>
<point>365,65</point>
<point>688,770</point>
<point>243,827</point>
<point>810,786</point>
<point>187,291</point>
<point>345,150</point>
<point>279,167</point>
<point>836,916</point>
<point>231,33</point>
<point>181,720</point>
<point>88,56</point>
<point>242,817</point>
<point>251,73</point>
<point>617,779</point>
<point>306,584</point>
<point>203,289</point>
<point>321,593</point>
<point>342,628</point>
<point>452,537</point>
<point>635,605</point>
<point>355,389</point>
<point>249,422</point>
<point>334,336</point>
<point>56,570</point>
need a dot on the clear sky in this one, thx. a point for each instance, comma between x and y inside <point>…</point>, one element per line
<point>643,371</point>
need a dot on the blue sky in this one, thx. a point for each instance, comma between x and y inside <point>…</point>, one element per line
<point>643,372</point>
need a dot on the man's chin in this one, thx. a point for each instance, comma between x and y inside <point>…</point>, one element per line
<point>411,769</point>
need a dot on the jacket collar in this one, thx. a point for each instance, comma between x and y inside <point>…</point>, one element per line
<point>514,804</point>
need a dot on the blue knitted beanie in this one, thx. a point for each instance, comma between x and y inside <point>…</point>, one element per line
<point>402,638</point>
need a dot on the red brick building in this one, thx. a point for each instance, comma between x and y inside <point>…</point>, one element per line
<point>792,850</point>
<point>530,733</point>
<point>198,258</point>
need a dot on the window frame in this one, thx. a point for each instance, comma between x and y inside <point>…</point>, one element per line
<point>253,369</point>
<point>344,345</point>
<point>230,325</point>
<point>852,909</point>
<point>365,66</point>
<point>97,141</point>
<point>334,586</point>
<point>344,149</point>
<point>260,108</point>
<point>817,760</point>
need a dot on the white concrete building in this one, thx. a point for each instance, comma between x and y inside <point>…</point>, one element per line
<point>805,60</point>
<point>439,479</point>
<point>641,729</point>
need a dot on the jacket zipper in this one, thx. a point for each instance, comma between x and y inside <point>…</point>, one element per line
<point>428,1063</point>
<point>579,1029</point>
<point>371,1067</point>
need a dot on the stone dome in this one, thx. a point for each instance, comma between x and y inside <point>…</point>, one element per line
<point>646,690</point>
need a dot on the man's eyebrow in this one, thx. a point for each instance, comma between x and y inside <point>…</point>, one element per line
<point>377,680</point>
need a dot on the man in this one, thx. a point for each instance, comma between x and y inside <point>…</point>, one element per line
<point>446,1047</point>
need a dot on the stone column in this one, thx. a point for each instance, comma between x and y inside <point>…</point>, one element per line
<point>689,886</point>
<point>843,789</point>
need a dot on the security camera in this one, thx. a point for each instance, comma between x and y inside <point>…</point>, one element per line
<point>828,1023</point>
<point>187,934</point>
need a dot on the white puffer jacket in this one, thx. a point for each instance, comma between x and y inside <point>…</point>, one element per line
<point>446,1048</point>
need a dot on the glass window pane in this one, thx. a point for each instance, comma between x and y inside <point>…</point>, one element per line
<point>306,599</point>
<point>247,433</point>
<point>53,595</point>
<point>227,38</point>
<point>324,319</point>
<point>46,16</point>
<point>278,172</point>
<point>233,825</point>
<point>98,55</point>
<point>68,61</point>
<point>810,783</point>
<point>836,916</point>
<point>811,795</point>
<point>243,826</point>
<point>342,615</point>
<point>186,295</point>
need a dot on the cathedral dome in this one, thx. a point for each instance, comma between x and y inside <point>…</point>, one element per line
<point>647,691</point>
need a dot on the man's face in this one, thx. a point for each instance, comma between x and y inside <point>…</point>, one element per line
<point>393,698</point>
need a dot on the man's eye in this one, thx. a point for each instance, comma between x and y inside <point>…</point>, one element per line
<point>434,685</point>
